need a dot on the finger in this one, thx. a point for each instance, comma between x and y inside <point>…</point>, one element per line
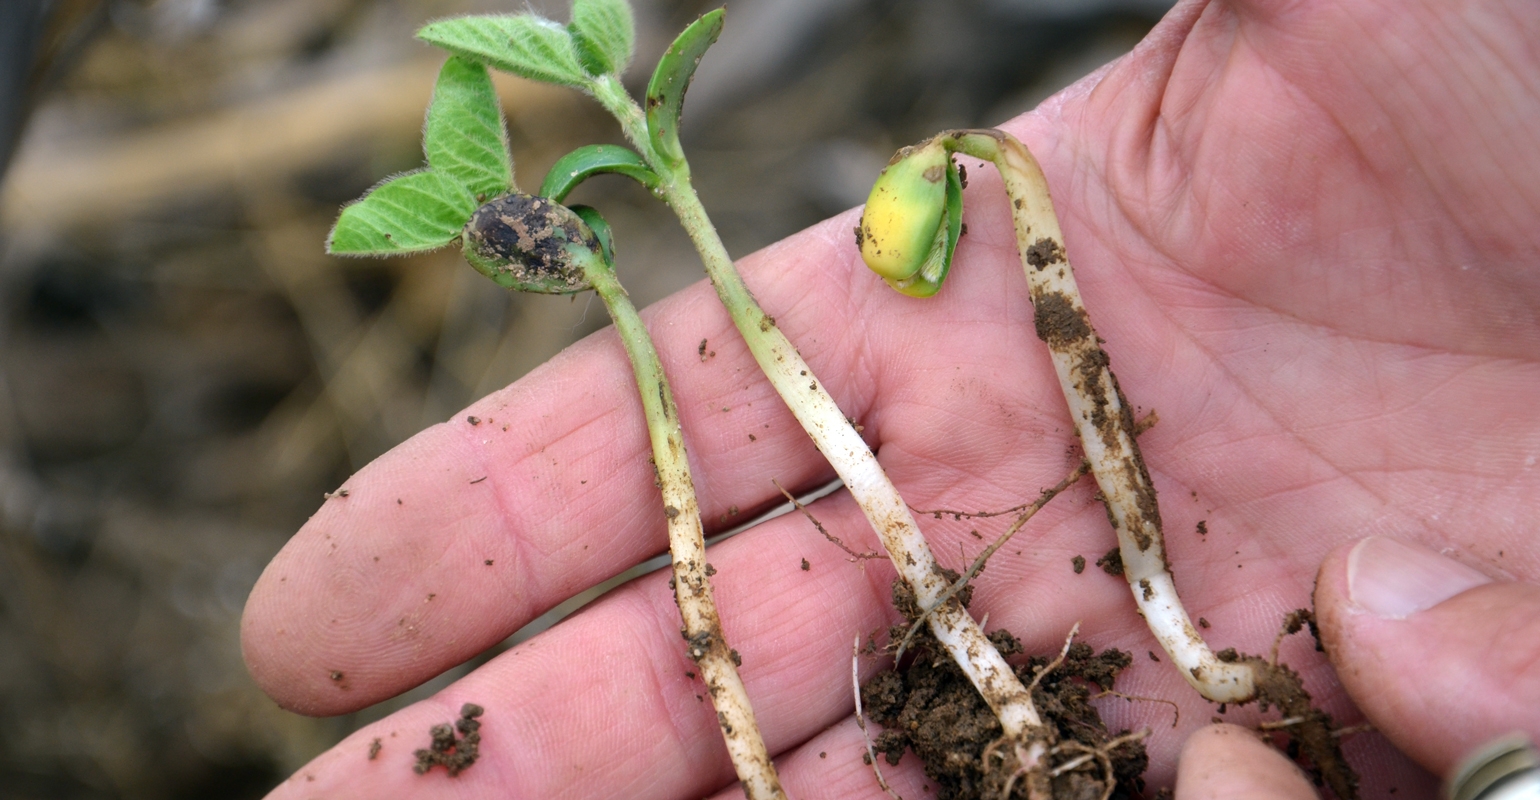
<point>603,705</point>
<point>1228,762</point>
<point>1439,656</point>
<point>608,704</point>
<point>447,544</point>
<point>833,766</point>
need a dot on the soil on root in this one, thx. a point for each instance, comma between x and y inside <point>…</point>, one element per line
<point>1310,735</point>
<point>930,708</point>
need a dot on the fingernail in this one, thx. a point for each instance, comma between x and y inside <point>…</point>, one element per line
<point>1395,579</point>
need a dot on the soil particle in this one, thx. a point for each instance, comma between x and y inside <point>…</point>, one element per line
<point>453,754</point>
<point>1112,562</point>
<point>1079,564</point>
<point>1298,619</point>
<point>1203,623</point>
<point>1202,527</point>
<point>1058,322</point>
<point>374,748</point>
<point>699,645</point>
<point>473,420</point>
<point>931,709</point>
<point>1044,253</point>
<point>1312,741</point>
<point>806,566</point>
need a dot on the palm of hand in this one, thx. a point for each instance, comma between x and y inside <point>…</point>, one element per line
<point>1306,254</point>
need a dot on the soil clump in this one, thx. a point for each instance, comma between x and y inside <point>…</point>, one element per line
<point>1311,738</point>
<point>454,754</point>
<point>928,706</point>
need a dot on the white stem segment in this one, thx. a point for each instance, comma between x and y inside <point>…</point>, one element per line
<point>864,478</point>
<point>692,590</point>
<point>835,437</point>
<point>1103,419</point>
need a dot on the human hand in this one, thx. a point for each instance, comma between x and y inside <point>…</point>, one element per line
<point>1306,231</point>
<point>1436,654</point>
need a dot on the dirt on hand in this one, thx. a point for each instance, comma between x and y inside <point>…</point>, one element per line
<point>454,754</point>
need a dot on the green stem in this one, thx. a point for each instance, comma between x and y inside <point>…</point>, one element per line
<point>692,589</point>
<point>836,437</point>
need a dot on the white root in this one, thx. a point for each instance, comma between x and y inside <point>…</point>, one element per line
<point>1102,417</point>
<point>835,436</point>
<point>871,751</point>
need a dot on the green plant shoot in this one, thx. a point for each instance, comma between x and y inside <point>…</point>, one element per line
<point>535,244</point>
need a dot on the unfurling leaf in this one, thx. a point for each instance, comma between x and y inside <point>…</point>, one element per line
<point>601,228</point>
<point>407,214</point>
<point>523,44</point>
<point>464,138</point>
<point>587,161</point>
<point>665,92</point>
<point>605,35</point>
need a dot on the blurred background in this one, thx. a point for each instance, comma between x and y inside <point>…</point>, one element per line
<point>183,372</point>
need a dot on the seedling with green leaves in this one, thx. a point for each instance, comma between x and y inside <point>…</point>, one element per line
<point>534,244</point>
<point>590,54</point>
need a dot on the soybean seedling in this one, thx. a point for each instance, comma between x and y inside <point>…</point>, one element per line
<point>581,55</point>
<point>534,244</point>
<point>908,234</point>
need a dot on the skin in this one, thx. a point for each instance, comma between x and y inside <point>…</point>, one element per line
<point>1308,232</point>
<point>1482,641</point>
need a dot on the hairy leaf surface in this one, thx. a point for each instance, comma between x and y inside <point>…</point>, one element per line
<point>409,213</point>
<point>523,44</point>
<point>604,33</point>
<point>464,138</point>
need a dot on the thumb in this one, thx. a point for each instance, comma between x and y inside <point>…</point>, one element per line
<point>1439,656</point>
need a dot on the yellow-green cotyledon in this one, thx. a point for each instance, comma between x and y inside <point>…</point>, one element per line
<point>904,229</point>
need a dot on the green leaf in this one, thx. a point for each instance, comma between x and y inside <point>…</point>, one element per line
<point>601,228</point>
<point>605,35</point>
<point>665,92</point>
<point>464,138</point>
<point>410,213</point>
<point>525,45</point>
<point>585,162</point>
